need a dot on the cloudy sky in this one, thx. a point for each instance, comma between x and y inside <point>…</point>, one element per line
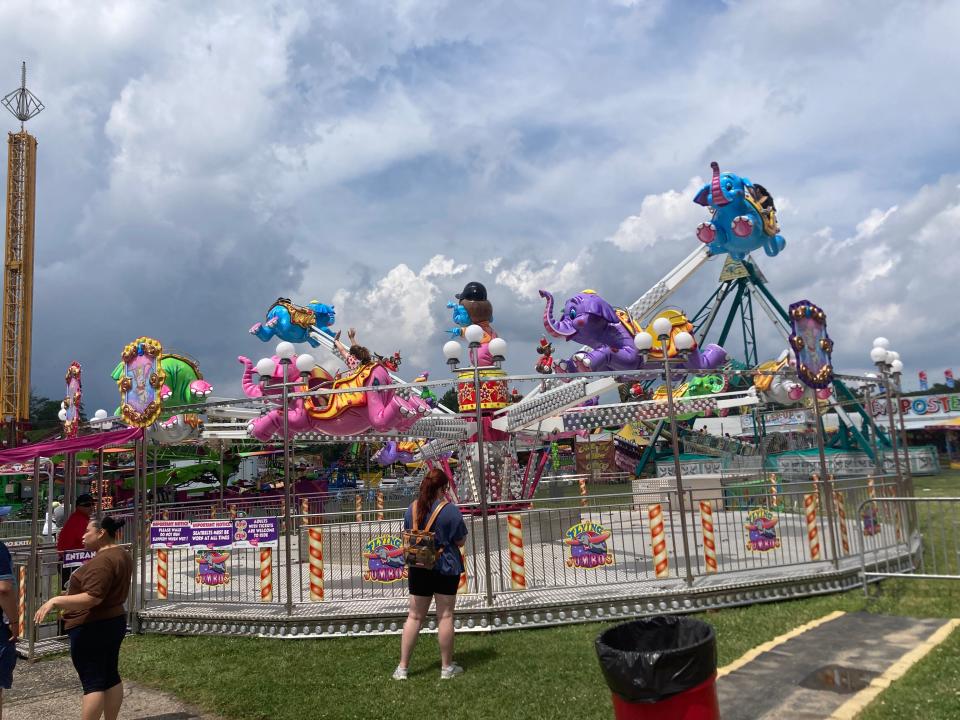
<point>198,160</point>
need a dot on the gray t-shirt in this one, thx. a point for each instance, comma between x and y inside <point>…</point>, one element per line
<point>448,529</point>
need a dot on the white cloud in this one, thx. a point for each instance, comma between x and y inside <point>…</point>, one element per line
<point>670,215</point>
<point>395,312</point>
<point>525,279</point>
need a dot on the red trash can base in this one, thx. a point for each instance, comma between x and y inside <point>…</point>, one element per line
<point>698,703</point>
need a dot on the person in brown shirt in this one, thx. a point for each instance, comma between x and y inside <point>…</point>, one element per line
<point>95,619</point>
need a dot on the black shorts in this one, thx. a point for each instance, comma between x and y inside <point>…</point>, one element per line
<point>95,651</point>
<point>427,583</point>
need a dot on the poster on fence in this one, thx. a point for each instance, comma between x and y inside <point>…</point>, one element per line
<point>166,534</point>
<point>211,534</point>
<point>384,556</point>
<point>212,567</point>
<point>76,558</point>
<point>588,546</point>
<point>256,532</point>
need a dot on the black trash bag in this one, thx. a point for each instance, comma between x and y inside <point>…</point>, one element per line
<point>650,660</point>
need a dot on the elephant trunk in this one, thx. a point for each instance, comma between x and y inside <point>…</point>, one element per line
<point>716,193</point>
<point>548,323</point>
<point>250,388</point>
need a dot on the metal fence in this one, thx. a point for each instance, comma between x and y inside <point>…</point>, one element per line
<point>937,557</point>
<point>764,526</point>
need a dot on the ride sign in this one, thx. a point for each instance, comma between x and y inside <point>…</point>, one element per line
<point>212,534</point>
<point>251,532</point>
<point>166,534</point>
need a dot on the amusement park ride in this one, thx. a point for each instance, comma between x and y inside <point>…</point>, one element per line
<point>15,335</point>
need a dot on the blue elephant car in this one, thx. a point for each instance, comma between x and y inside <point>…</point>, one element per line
<point>744,216</point>
<point>295,323</point>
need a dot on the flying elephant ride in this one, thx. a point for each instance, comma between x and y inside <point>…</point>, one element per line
<point>343,413</point>
<point>776,381</point>
<point>296,323</point>
<point>590,320</point>
<point>744,217</point>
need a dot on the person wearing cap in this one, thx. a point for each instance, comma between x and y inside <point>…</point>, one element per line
<point>473,298</point>
<point>71,536</point>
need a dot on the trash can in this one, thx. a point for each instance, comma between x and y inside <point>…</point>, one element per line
<point>661,668</point>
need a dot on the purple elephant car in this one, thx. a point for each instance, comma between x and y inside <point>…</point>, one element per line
<point>590,320</point>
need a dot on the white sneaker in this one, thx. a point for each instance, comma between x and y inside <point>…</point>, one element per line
<point>400,673</point>
<point>451,671</point>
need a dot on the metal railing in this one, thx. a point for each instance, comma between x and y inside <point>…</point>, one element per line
<point>937,557</point>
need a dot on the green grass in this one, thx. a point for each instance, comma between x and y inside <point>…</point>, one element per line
<point>543,673</point>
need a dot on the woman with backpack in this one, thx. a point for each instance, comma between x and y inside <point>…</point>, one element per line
<point>434,532</point>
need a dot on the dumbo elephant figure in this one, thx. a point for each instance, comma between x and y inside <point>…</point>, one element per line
<point>777,384</point>
<point>744,217</point>
<point>590,320</point>
<point>294,323</point>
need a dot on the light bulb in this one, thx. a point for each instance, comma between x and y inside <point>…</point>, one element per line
<point>498,348</point>
<point>662,326</point>
<point>683,341</point>
<point>473,334</point>
<point>643,341</point>
<point>265,367</point>
<point>306,362</point>
<point>286,350</point>
<point>452,350</point>
<point>881,342</point>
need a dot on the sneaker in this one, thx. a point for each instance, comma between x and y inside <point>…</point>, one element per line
<point>400,673</point>
<point>451,671</point>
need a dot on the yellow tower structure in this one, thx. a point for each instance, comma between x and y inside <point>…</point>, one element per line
<point>16,331</point>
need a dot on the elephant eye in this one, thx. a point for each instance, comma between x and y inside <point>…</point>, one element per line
<point>729,186</point>
<point>573,313</point>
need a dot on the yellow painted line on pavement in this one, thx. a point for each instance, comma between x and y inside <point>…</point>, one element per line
<point>779,640</point>
<point>855,705</point>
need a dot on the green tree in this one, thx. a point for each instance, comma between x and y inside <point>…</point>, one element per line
<point>449,400</point>
<point>43,412</point>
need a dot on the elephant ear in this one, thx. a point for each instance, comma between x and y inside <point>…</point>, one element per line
<point>596,305</point>
<point>703,197</point>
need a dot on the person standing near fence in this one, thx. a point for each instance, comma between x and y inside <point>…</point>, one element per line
<point>95,618</point>
<point>9,630</point>
<point>72,534</point>
<point>429,514</point>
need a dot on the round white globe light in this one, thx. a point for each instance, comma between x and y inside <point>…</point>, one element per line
<point>878,354</point>
<point>498,347</point>
<point>265,367</point>
<point>896,366</point>
<point>881,342</point>
<point>286,350</point>
<point>100,415</point>
<point>683,341</point>
<point>892,355</point>
<point>452,350</point>
<point>662,326</point>
<point>306,362</point>
<point>62,415</point>
<point>643,340</point>
<point>473,333</point>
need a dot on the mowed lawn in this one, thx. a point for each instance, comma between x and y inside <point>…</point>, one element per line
<point>548,673</point>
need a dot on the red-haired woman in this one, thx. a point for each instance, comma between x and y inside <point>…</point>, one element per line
<point>440,583</point>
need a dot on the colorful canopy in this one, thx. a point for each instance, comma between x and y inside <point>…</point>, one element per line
<point>26,453</point>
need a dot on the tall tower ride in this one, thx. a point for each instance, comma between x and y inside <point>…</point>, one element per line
<point>16,331</point>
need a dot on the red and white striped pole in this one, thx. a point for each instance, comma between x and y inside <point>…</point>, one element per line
<point>658,541</point>
<point>315,539</point>
<point>709,539</point>
<point>842,516</point>
<point>813,533</point>
<point>266,574</point>
<point>518,571</point>
<point>162,574</point>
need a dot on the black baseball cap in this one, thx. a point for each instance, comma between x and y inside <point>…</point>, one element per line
<point>472,291</point>
<point>84,499</point>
